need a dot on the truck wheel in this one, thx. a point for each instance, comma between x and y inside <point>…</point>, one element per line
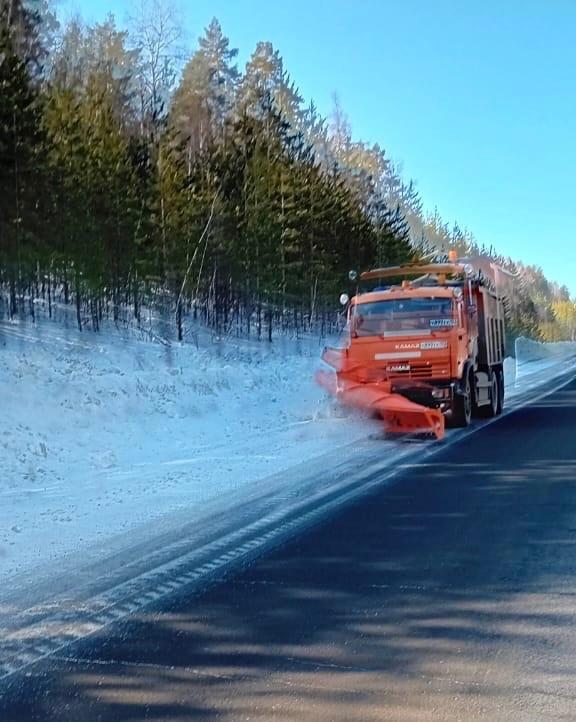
<point>491,410</point>
<point>462,406</point>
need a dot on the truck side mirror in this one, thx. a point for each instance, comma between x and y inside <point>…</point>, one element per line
<point>344,298</point>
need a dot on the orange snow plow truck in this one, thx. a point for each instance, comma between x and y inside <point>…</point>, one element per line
<point>422,352</point>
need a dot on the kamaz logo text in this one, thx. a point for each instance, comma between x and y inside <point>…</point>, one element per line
<point>406,346</point>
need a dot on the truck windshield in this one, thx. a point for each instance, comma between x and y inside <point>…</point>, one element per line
<point>402,314</point>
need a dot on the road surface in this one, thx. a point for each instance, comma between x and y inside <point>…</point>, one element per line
<point>450,595</point>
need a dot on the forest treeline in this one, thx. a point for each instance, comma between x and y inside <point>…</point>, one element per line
<point>133,175</point>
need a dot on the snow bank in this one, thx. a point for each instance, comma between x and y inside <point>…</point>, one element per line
<point>533,357</point>
<point>98,436</point>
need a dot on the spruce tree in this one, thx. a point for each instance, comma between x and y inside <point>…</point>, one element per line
<point>20,147</point>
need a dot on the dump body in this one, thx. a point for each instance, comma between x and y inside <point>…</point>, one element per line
<point>437,343</point>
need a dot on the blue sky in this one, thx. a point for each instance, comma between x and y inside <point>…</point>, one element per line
<point>476,100</point>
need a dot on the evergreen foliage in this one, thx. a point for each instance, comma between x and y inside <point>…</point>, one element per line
<point>217,193</point>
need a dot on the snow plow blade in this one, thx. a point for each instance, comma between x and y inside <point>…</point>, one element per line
<point>399,414</point>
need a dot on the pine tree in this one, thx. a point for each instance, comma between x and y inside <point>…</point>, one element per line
<point>99,56</point>
<point>205,96</point>
<point>265,76</point>
<point>20,146</point>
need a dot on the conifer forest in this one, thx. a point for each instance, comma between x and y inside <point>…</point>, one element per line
<point>138,175</point>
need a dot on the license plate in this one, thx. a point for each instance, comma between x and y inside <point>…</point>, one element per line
<point>429,345</point>
<point>442,322</point>
<point>399,367</point>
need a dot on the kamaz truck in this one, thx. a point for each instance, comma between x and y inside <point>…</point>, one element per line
<point>425,346</point>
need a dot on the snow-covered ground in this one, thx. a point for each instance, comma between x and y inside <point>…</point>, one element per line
<point>100,433</point>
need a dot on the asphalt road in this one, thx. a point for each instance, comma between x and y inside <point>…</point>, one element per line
<point>448,596</point>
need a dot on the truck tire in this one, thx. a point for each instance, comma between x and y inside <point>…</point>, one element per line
<point>490,411</point>
<point>462,405</point>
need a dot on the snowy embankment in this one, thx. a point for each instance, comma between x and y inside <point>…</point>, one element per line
<point>100,433</point>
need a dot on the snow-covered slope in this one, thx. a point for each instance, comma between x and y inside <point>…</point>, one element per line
<point>100,433</point>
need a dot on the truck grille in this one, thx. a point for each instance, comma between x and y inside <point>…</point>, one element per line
<point>421,371</point>
<point>426,370</point>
